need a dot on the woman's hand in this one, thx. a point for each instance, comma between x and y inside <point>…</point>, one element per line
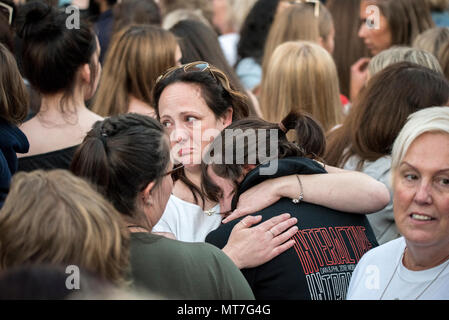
<point>359,76</point>
<point>250,247</point>
<point>251,200</point>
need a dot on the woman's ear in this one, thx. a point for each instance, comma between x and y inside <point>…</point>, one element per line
<point>85,73</point>
<point>146,194</point>
<point>227,117</point>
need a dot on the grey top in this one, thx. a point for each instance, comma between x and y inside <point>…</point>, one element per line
<point>382,222</point>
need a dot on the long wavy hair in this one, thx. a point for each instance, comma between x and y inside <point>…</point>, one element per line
<point>138,54</point>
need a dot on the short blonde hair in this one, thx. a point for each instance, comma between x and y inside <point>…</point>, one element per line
<point>403,54</point>
<point>434,119</point>
<point>301,76</point>
<point>53,217</point>
<point>432,40</point>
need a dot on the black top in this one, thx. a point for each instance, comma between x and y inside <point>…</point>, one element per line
<point>328,245</point>
<point>59,159</point>
<point>12,141</point>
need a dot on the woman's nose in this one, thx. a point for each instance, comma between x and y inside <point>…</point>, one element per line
<point>423,195</point>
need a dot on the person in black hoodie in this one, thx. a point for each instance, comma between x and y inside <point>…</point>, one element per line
<point>13,110</point>
<point>328,244</point>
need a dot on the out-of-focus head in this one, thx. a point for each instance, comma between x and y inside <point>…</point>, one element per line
<point>392,22</point>
<point>382,110</point>
<point>325,21</point>
<point>255,28</point>
<point>301,76</point>
<point>206,7</point>
<point>137,55</point>
<point>403,54</point>
<point>130,12</point>
<point>421,179</point>
<point>57,58</point>
<point>126,157</point>
<point>13,93</point>
<point>432,40</point>
<point>53,217</point>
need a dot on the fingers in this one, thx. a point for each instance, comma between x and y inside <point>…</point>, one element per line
<point>267,225</point>
<point>361,63</point>
<point>247,222</point>
<point>237,213</point>
<point>281,227</point>
<point>282,248</point>
<point>283,237</point>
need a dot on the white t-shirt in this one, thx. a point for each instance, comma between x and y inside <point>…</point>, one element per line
<point>371,277</point>
<point>187,221</point>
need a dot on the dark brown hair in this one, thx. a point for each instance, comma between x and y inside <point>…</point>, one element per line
<point>52,53</point>
<point>13,93</point>
<point>218,93</point>
<point>346,36</point>
<point>384,105</point>
<point>136,12</point>
<point>310,143</point>
<point>121,155</point>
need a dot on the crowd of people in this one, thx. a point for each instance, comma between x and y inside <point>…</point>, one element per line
<point>224,149</point>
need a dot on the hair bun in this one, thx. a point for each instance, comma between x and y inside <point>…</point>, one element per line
<point>37,20</point>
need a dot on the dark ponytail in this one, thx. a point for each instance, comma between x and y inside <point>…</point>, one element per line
<point>121,155</point>
<point>52,53</point>
<point>310,144</point>
<point>309,134</point>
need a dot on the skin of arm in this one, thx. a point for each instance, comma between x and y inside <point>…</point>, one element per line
<point>343,190</point>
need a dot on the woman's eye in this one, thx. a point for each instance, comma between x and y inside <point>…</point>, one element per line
<point>410,177</point>
<point>191,119</point>
<point>166,124</point>
<point>443,181</point>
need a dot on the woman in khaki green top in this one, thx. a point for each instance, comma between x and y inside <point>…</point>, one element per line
<point>128,158</point>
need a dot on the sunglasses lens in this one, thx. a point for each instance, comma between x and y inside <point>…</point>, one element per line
<point>200,67</point>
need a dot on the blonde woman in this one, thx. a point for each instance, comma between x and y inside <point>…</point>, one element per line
<point>301,76</point>
<point>53,217</point>
<point>300,21</point>
<point>138,54</point>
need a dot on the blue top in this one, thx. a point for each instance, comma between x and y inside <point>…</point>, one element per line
<point>12,141</point>
<point>441,19</point>
<point>103,29</point>
<point>249,73</point>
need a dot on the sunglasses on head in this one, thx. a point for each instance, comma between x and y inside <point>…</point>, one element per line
<point>197,66</point>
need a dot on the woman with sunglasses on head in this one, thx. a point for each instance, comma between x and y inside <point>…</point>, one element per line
<point>62,65</point>
<point>127,159</point>
<point>194,103</point>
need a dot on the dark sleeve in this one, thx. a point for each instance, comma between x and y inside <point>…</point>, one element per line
<point>5,178</point>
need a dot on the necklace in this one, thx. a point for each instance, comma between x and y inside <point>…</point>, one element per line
<point>425,289</point>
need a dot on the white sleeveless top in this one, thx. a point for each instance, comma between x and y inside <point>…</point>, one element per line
<point>187,221</point>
